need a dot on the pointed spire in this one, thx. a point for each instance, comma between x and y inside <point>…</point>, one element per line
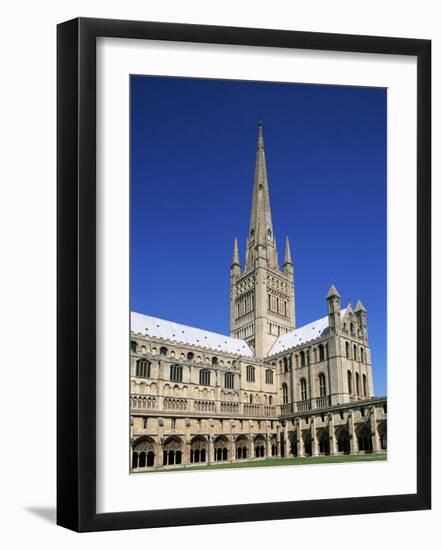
<point>235,260</point>
<point>360,307</point>
<point>288,255</point>
<point>261,228</point>
<point>333,292</point>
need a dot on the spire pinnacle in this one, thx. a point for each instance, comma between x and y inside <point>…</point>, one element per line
<point>235,259</point>
<point>288,255</point>
<point>333,292</point>
<point>360,307</point>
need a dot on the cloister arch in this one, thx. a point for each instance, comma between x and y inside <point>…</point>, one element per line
<point>259,444</point>
<point>307,442</point>
<point>242,447</point>
<point>363,434</point>
<point>143,452</point>
<point>172,451</point>
<point>343,440</point>
<point>323,441</point>
<point>198,449</point>
<point>221,447</point>
<point>382,433</point>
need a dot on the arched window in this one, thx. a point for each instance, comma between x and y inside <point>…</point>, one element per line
<point>321,352</point>
<point>355,352</point>
<point>347,350</point>
<point>303,389</point>
<point>250,373</point>
<point>176,373</point>
<point>364,385</point>
<point>352,328</point>
<point>285,394</point>
<point>143,368</point>
<point>322,385</point>
<point>286,364</point>
<point>214,360</point>
<point>270,400</point>
<point>228,380</point>
<point>349,382</point>
<point>269,376</point>
<point>163,351</point>
<point>362,355</point>
<point>302,354</point>
<point>133,347</point>
<point>358,386</point>
<point>190,356</point>
<point>205,377</point>
<point>251,399</point>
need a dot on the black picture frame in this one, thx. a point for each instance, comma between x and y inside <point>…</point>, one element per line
<point>76,274</point>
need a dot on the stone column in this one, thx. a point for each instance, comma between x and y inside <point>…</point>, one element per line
<point>278,442</point>
<point>210,457</point>
<point>331,434</point>
<point>351,431</point>
<point>374,434</point>
<point>299,437</point>
<point>286,439</point>
<point>252,446</point>
<point>268,446</point>
<point>314,439</point>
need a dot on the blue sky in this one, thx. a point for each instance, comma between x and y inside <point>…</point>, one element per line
<point>193,145</point>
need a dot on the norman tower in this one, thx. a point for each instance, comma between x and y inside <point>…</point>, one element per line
<point>262,296</point>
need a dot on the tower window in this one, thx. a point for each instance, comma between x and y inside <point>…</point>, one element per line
<point>302,354</point>
<point>228,380</point>
<point>303,389</point>
<point>250,373</point>
<point>358,389</point>
<point>321,352</point>
<point>349,382</point>
<point>133,346</point>
<point>322,385</point>
<point>347,350</point>
<point>269,376</point>
<point>285,394</point>
<point>163,351</point>
<point>205,377</point>
<point>364,385</point>
<point>143,368</point>
<point>176,373</point>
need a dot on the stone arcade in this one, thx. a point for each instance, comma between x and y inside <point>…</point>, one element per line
<point>270,389</point>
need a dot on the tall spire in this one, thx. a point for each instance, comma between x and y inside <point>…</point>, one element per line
<point>288,255</point>
<point>261,228</point>
<point>235,260</point>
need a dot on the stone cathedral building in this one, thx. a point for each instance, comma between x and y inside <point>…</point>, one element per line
<point>271,388</point>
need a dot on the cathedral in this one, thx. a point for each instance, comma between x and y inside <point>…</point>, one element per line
<point>271,388</point>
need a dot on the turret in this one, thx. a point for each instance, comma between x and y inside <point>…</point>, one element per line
<point>235,268</point>
<point>288,264</point>
<point>334,309</point>
<point>361,316</point>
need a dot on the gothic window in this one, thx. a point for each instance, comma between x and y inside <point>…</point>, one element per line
<point>250,373</point>
<point>228,380</point>
<point>214,360</point>
<point>303,389</point>
<point>190,356</point>
<point>173,423</point>
<point>362,355</point>
<point>163,351</point>
<point>133,347</point>
<point>176,373</point>
<point>286,364</point>
<point>285,394</point>
<point>358,386</point>
<point>251,399</point>
<point>302,354</point>
<point>269,376</point>
<point>364,385</point>
<point>355,352</point>
<point>352,328</point>
<point>143,368</point>
<point>322,385</point>
<point>205,377</point>
<point>347,350</point>
<point>321,352</point>
<point>349,382</point>
<point>270,400</point>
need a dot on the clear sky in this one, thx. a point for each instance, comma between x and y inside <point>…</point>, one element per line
<point>193,145</point>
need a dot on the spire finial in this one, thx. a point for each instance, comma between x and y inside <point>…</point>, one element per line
<point>288,255</point>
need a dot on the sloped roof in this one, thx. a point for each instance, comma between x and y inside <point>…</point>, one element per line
<point>175,332</point>
<point>302,335</point>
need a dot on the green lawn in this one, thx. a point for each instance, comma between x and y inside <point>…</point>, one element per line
<point>282,462</point>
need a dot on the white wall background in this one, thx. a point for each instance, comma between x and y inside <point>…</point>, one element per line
<point>27,272</point>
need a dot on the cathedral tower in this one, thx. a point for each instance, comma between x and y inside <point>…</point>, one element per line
<point>262,296</point>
